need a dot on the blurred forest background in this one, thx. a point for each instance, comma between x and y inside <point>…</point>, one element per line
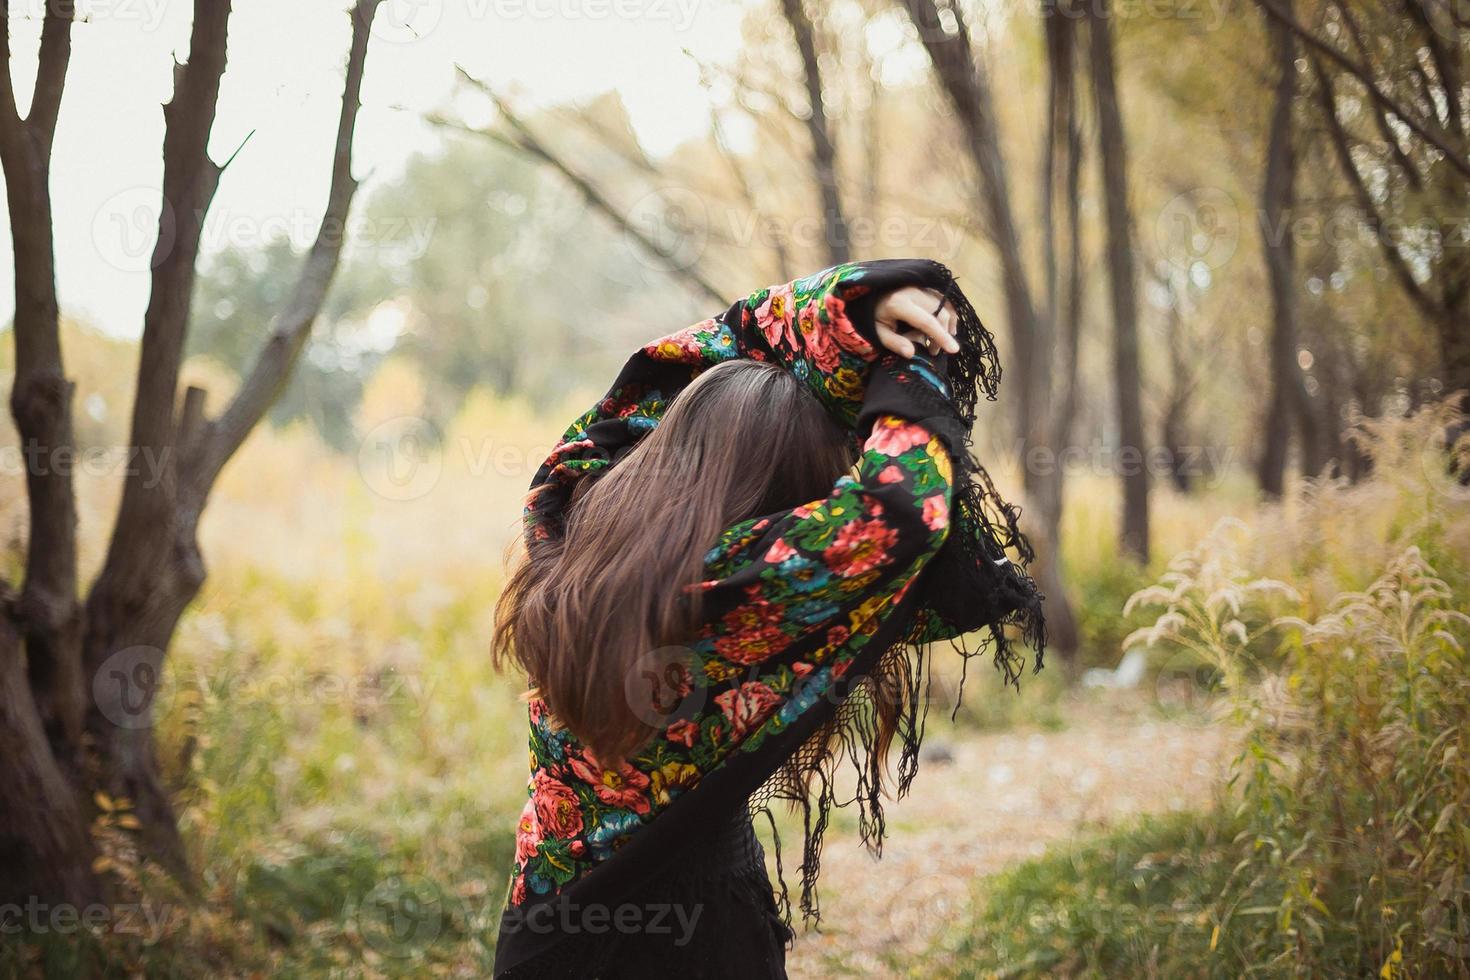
<point>1225,248</point>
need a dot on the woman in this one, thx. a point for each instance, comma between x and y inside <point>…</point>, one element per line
<point>714,612</point>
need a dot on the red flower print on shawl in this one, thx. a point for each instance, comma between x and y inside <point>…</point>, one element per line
<point>936,512</point>
<point>779,552</point>
<point>753,645</point>
<point>624,786</point>
<point>774,317</point>
<point>528,833</point>
<point>747,706</point>
<point>682,347</point>
<point>557,808</point>
<point>820,344</point>
<point>683,732</point>
<point>892,436</point>
<point>860,546</point>
<point>843,331</point>
<point>754,632</point>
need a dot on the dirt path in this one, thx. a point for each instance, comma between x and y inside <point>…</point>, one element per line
<point>1000,799</point>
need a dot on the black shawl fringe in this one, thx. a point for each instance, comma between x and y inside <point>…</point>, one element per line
<point>977,582</point>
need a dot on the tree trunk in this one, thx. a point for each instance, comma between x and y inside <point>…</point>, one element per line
<point>964,82</point>
<point>130,622</point>
<point>47,612</point>
<point>1065,292</point>
<point>824,152</point>
<point>1452,328</point>
<point>1127,375</point>
<point>140,593</point>
<point>1277,199</point>
<point>45,851</point>
<point>94,671</point>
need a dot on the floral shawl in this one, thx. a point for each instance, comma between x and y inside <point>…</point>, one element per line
<point>802,609</point>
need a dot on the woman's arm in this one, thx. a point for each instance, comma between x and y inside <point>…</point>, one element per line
<point>827,329</point>
<point>791,598</point>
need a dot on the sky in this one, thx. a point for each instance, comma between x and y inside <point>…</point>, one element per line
<point>282,90</point>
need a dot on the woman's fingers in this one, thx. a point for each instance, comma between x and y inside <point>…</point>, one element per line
<point>945,311</point>
<point>930,344</point>
<point>909,317</point>
<point>925,322</point>
<point>895,341</point>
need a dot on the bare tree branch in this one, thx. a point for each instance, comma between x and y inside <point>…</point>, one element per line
<point>1342,145</point>
<point>824,153</point>
<point>47,611</point>
<point>1380,118</point>
<point>1446,63</point>
<point>524,141</point>
<point>293,324</point>
<point>606,137</point>
<point>744,86</point>
<point>1456,157</point>
<point>783,271</point>
<point>9,115</point>
<point>51,70</point>
<point>190,179</point>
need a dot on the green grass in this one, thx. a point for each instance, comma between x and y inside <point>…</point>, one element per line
<point>1132,903</point>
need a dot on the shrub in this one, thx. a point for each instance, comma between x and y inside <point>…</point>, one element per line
<point>1343,848</point>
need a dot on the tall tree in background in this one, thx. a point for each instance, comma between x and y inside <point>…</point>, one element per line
<point>79,720</point>
<point>1123,278</point>
<point>1288,399</point>
<point>824,150</point>
<point>1391,92</point>
<point>966,83</point>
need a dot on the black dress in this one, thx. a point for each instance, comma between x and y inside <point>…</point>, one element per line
<point>714,916</point>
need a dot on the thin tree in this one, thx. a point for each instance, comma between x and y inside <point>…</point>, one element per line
<point>1278,200</point>
<point>80,720</point>
<point>1123,279</point>
<point>824,151</point>
<point>966,83</point>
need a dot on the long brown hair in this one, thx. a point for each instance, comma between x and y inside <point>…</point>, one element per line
<point>582,610</point>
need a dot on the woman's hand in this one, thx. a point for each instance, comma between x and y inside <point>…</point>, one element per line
<point>911,316</point>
